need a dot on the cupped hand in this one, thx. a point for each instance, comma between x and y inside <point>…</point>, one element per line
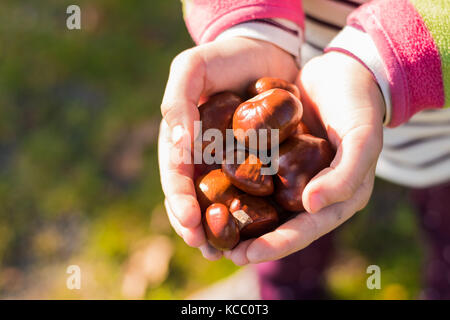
<point>226,65</point>
<point>341,100</point>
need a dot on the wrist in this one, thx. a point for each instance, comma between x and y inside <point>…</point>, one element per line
<point>282,33</point>
<point>277,60</point>
<point>360,46</point>
<point>355,74</point>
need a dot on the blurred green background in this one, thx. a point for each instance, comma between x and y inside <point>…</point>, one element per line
<point>79,182</point>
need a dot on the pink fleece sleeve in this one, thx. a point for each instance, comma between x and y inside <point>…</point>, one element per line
<point>206,19</point>
<point>410,56</point>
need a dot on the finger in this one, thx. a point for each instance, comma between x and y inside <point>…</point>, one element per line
<point>182,93</point>
<point>210,252</point>
<point>356,154</point>
<point>193,237</point>
<point>206,249</point>
<point>239,254</point>
<point>173,222</point>
<point>177,180</point>
<point>302,230</point>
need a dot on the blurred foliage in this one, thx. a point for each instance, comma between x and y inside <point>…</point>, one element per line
<point>385,234</point>
<point>79,183</point>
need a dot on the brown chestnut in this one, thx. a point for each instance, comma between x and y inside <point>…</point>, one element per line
<point>273,109</point>
<point>301,129</point>
<point>203,168</point>
<point>217,113</point>
<point>215,187</point>
<point>267,83</point>
<point>247,175</point>
<point>300,159</point>
<point>256,216</point>
<point>221,228</point>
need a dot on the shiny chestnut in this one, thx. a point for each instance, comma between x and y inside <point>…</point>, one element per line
<point>267,83</point>
<point>203,169</point>
<point>246,175</point>
<point>217,113</point>
<point>300,159</point>
<point>301,129</point>
<point>215,187</point>
<point>273,109</point>
<point>256,215</point>
<point>221,228</point>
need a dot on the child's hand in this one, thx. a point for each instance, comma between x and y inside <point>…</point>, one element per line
<point>194,74</point>
<point>341,95</point>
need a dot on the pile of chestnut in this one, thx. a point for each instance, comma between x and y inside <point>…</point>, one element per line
<point>238,202</point>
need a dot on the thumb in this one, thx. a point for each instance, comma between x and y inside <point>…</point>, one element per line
<point>350,106</point>
<point>183,90</point>
<point>355,156</point>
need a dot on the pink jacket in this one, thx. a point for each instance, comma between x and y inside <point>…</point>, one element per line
<point>412,37</point>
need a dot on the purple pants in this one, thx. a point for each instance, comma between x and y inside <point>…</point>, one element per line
<point>300,275</point>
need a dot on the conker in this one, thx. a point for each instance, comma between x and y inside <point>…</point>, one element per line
<point>301,129</point>
<point>300,159</point>
<point>273,109</point>
<point>217,113</point>
<point>220,227</point>
<point>247,175</point>
<point>203,169</point>
<point>215,187</point>
<point>255,215</point>
<point>267,83</point>
<point>237,201</point>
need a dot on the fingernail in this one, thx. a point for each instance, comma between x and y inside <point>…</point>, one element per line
<point>316,202</point>
<point>227,254</point>
<point>177,134</point>
<point>209,252</point>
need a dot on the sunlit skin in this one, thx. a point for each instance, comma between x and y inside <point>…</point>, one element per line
<point>339,96</point>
